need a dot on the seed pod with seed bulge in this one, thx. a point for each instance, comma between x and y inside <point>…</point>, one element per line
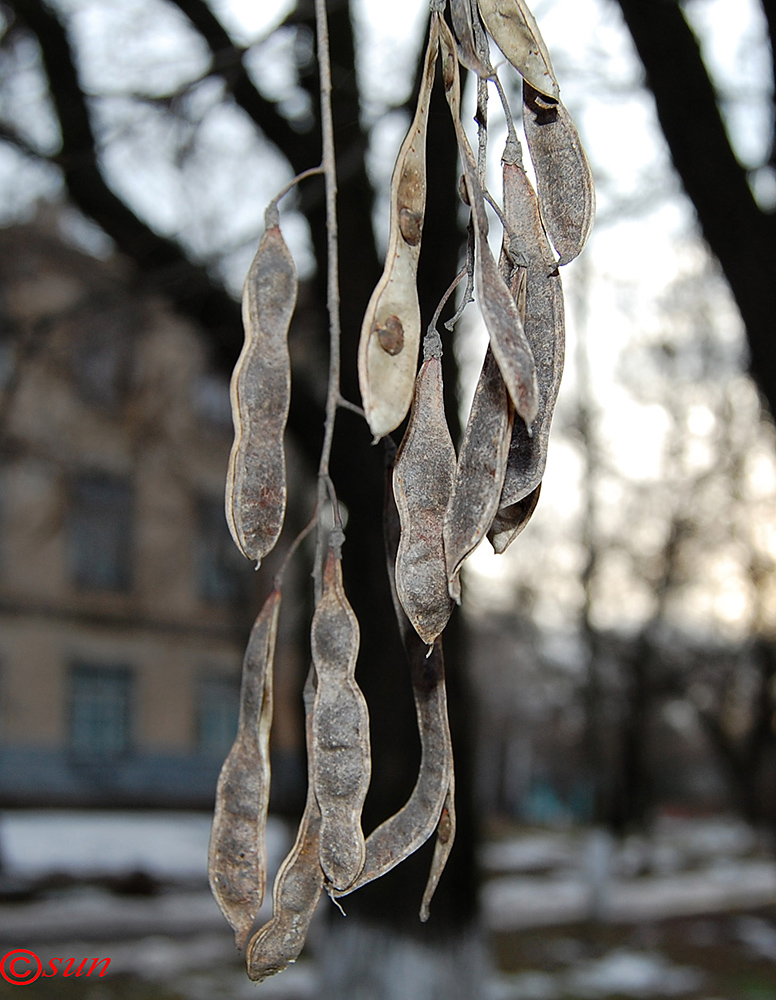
<point>298,885</point>
<point>422,483</point>
<point>408,829</point>
<point>564,180</point>
<point>341,764</point>
<point>514,29</point>
<point>237,862</point>
<point>260,393</point>
<point>507,338</point>
<point>390,332</point>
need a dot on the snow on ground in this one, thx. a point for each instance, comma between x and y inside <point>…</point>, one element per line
<point>170,846</point>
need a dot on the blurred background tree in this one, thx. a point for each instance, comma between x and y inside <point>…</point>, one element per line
<point>646,581</point>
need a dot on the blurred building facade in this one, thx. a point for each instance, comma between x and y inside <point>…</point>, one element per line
<point>124,605</point>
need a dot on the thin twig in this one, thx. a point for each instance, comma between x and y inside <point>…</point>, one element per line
<point>312,172</point>
<point>294,546</point>
<point>443,301</point>
<point>468,293</point>
<point>345,404</point>
<point>328,163</point>
<point>511,132</point>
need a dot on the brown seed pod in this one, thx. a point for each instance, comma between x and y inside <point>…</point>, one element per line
<point>237,857</point>
<point>563,176</point>
<point>544,327</point>
<point>514,29</point>
<point>479,477</point>
<point>297,889</point>
<point>507,338</point>
<point>386,361</point>
<point>442,848</point>
<point>260,393</point>
<point>422,483</point>
<point>408,829</point>
<point>462,13</point>
<point>341,763</point>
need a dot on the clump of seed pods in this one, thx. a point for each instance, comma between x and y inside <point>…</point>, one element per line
<point>438,505</point>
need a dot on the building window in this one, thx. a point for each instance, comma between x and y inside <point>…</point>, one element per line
<point>219,706</point>
<point>224,574</point>
<point>100,710</point>
<point>100,533</point>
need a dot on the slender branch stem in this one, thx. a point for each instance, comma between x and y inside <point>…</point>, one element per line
<point>312,172</point>
<point>328,164</point>
<point>443,301</point>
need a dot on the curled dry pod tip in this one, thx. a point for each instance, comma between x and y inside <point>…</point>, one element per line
<point>341,763</point>
<point>260,395</point>
<point>390,332</point>
<point>237,857</point>
<point>422,484</point>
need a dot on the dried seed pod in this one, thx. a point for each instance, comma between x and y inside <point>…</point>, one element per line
<point>390,333</point>
<point>507,338</point>
<point>479,477</point>
<point>515,31</point>
<point>544,327</point>
<point>462,13</point>
<point>563,176</point>
<point>422,483</point>
<point>408,829</point>
<point>341,763</point>
<point>260,393</point>
<point>237,857</point>
<point>297,889</point>
<point>442,848</point>
<point>510,521</point>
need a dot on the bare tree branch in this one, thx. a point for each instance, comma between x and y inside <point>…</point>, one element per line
<point>741,236</point>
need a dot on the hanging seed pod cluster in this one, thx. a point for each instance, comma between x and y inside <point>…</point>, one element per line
<point>439,506</point>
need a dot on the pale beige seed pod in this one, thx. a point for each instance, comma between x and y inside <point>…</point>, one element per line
<point>260,394</point>
<point>514,29</point>
<point>390,332</point>
<point>237,856</point>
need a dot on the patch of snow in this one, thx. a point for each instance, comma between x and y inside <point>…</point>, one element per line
<point>168,846</point>
<point>632,974</point>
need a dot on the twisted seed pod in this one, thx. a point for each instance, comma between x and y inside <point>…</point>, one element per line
<point>514,29</point>
<point>507,338</point>
<point>237,857</point>
<point>297,889</point>
<point>544,325</point>
<point>341,763</point>
<point>563,177</point>
<point>404,832</point>
<point>510,521</point>
<point>260,393</point>
<point>442,848</point>
<point>479,477</point>
<point>390,333</point>
<point>422,483</point>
